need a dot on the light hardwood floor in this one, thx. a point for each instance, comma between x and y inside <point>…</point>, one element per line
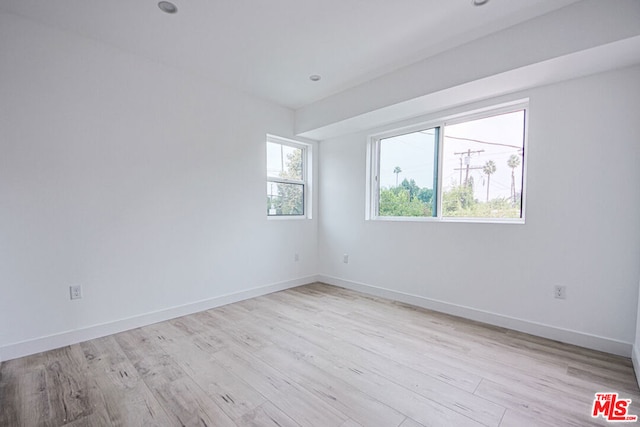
<point>316,355</point>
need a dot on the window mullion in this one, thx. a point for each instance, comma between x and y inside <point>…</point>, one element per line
<point>286,181</point>
<point>376,206</point>
<point>438,188</point>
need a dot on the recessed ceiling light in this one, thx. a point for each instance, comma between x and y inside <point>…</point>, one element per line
<point>168,7</point>
<point>314,77</point>
<point>480,2</point>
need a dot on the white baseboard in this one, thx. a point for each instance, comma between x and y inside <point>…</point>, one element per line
<point>37,345</point>
<point>534,328</point>
<point>25,348</point>
<point>635,359</point>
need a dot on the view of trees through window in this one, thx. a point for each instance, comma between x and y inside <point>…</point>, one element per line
<point>408,174</point>
<point>482,170</point>
<point>285,179</point>
<point>482,167</point>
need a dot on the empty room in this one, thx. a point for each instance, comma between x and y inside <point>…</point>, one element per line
<point>333,213</point>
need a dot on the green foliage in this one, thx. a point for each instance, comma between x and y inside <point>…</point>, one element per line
<point>409,199</point>
<point>399,201</point>
<point>489,168</point>
<point>425,195</point>
<point>411,187</point>
<point>459,202</point>
<point>290,200</point>
<point>293,165</point>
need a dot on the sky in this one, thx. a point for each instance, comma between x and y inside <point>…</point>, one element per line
<point>414,153</point>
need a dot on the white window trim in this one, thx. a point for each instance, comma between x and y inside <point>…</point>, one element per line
<point>372,191</point>
<point>307,176</point>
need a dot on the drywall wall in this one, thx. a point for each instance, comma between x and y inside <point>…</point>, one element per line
<point>581,226</point>
<point>635,356</point>
<point>141,183</point>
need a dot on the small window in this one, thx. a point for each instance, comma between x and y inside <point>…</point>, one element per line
<point>468,168</point>
<point>287,188</point>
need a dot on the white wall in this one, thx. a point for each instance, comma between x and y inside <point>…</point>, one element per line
<point>581,226</point>
<point>139,182</point>
<point>635,357</point>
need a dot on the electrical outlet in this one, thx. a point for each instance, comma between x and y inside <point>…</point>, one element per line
<point>75,292</point>
<point>296,257</point>
<point>345,258</point>
<point>560,292</point>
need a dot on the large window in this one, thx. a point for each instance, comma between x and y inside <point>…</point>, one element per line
<point>287,183</point>
<point>470,168</point>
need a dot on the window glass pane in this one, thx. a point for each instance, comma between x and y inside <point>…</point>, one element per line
<point>408,174</point>
<point>284,161</point>
<point>285,199</point>
<point>482,167</point>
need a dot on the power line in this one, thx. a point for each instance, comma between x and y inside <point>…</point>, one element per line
<point>467,160</point>
<point>484,142</point>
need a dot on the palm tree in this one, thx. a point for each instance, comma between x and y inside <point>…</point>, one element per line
<point>488,169</point>
<point>513,163</point>
<point>397,171</point>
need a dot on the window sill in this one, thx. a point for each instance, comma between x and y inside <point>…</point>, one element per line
<point>287,218</point>
<point>520,221</point>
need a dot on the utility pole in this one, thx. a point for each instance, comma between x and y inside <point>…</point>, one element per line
<point>467,161</point>
<point>513,188</point>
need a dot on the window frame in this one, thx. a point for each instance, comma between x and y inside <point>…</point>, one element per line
<point>372,195</point>
<point>306,176</point>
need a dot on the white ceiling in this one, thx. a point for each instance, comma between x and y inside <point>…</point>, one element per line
<point>269,49</point>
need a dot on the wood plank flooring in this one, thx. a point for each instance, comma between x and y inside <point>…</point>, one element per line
<point>316,355</point>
